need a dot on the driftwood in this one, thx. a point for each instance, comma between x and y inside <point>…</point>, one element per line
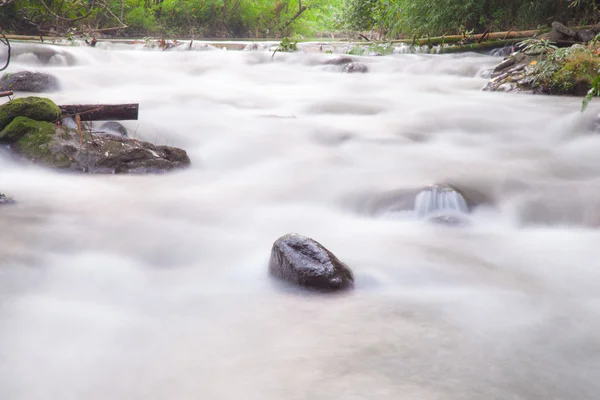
<point>7,93</point>
<point>484,46</point>
<point>437,40</point>
<point>450,39</point>
<point>102,112</point>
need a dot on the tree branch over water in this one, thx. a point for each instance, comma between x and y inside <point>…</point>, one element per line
<point>92,5</point>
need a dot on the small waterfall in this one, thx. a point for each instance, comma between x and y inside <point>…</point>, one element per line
<point>439,200</point>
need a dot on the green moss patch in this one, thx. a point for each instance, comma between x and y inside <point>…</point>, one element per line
<point>22,126</point>
<point>36,108</point>
<point>35,144</point>
<point>576,75</point>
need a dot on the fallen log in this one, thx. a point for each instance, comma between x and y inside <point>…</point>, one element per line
<point>439,40</point>
<point>7,93</point>
<point>475,47</point>
<point>102,112</point>
<point>449,39</point>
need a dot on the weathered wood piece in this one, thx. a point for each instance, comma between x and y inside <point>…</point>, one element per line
<point>102,112</point>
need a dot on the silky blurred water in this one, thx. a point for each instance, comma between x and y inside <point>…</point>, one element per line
<point>156,286</point>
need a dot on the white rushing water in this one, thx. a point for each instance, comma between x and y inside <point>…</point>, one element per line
<point>156,287</point>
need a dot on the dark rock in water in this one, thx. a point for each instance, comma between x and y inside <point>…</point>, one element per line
<point>354,67</point>
<point>6,200</point>
<point>338,61</point>
<point>305,262</point>
<point>114,127</point>
<point>25,81</point>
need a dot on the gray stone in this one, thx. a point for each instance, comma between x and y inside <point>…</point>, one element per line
<point>338,61</point>
<point>6,200</point>
<point>304,262</point>
<point>355,67</point>
<point>506,63</point>
<point>26,81</point>
<point>557,26</point>
<point>114,127</point>
<point>437,199</point>
<point>586,35</point>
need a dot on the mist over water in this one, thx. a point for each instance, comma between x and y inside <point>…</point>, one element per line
<point>156,286</point>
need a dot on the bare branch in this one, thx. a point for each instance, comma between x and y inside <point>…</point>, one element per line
<point>69,19</point>
<point>4,40</point>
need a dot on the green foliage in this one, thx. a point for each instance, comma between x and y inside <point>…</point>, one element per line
<point>593,91</point>
<point>569,70</point>
<point>190,18</point>
<point>286,46</point>
<point>438,17</point>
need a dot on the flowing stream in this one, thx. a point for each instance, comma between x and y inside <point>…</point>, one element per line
<point>156,287</point>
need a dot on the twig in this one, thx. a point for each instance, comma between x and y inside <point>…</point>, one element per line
<point>92,5</point>
<point>7,93</point>
<point>4,40</point>
<point>78,123</point>
<point>485,33</point>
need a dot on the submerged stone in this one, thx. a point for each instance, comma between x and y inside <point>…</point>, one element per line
<point>438,198</point>
<point>114,127</point>
<point>343,60</point>
<point>355,67</point>
<point>36,108</point>
<point>302,261</point>
<point>6,200</point>
<point>441,204</point>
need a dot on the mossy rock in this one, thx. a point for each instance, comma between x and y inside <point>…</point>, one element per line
<point>36,108</point>
<point>35,142</point>
<point>21,126</point>
<point>576,75</point>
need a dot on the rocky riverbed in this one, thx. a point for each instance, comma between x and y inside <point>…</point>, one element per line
<point>563,62</point>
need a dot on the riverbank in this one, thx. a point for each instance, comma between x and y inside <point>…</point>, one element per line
<point>562,62</point>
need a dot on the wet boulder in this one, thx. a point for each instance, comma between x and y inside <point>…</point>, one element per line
<point>26,81</point>
<point>46,144</point>
<point>5,200</point>
<point>36,108</point>
<point>355,67</point>
<point>68,149</point>
<point>304,262</point>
